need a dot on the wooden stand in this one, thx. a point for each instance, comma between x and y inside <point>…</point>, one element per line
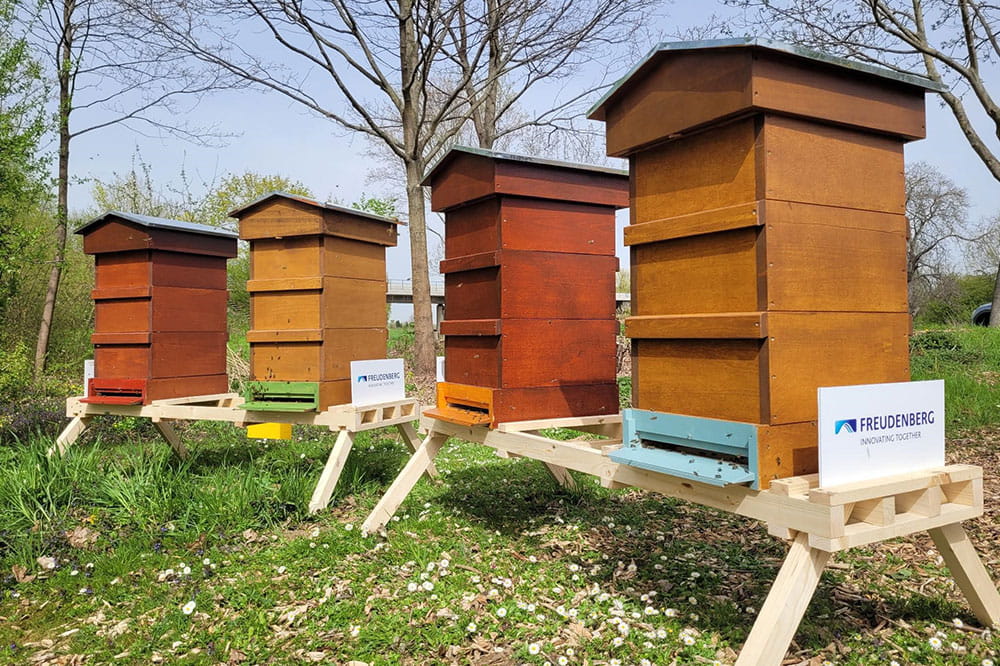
<point>345,420</point>
<point>819,522</point>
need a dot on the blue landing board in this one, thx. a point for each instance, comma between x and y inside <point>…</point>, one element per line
<point>695,434</point>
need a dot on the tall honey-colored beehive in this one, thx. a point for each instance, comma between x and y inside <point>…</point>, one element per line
<point>529,287</point>
<point>317,299</point>
<point>159,308</point>
<point>768,248</point>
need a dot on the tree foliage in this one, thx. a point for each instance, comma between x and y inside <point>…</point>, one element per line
<point>23,185</point>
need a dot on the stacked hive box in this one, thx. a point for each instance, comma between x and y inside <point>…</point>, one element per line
<point>768,248</point>
<point>529,287</point>
<point>317,299</point>
<point>160,308</point>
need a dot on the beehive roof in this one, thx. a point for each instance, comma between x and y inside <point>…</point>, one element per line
<point>511,157</point>
<point>597,111</point>
<point>243,210</point>
<point>157,223</point>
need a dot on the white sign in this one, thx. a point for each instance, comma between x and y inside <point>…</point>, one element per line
<point>876,430</point>
<point>440,368</point>
<point>378,381</point>
<point>88,374</point>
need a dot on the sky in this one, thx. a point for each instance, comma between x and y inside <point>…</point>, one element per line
<point>273,135</point>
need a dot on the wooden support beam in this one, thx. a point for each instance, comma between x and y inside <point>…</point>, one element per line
<point>69,435</point>
<point>331,471</point>
<point>173,439</point>
<point>968,571</point>
<point>407,478</point>
<point>785,605</point>
<point>412,441</point>
<point>561,475</point>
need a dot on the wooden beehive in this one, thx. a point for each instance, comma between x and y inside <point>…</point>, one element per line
<point>317,298</point>
<point>768,242</point>
<point>159,308</point>
<point>529,286</point>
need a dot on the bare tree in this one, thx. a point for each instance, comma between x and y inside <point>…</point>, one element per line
<point>407,74</point>
<point>948,41</point>
<point>938,213</point>
<point>108,71</point>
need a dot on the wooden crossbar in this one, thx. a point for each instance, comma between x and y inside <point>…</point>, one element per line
<point>818,521</point>
<point>346,420</point>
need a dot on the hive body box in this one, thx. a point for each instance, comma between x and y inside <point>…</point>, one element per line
<point>159,308</point>
<point>529,287</point>
<point>768,246</point>
<point>317,298</point>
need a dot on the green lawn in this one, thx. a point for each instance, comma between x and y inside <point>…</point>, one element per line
<point>494,565</point>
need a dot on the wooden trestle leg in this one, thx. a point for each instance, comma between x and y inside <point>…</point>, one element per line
<point>968,571</point>
<point>785,605</point>
<point>69,435</point>
<point>173,439</point>
<point>407,478</point>
<point>331,471</point>
<point>412,439</point>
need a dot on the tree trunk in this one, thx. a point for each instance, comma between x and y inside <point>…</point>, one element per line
<point>62,183</point>
<point>995,313</point>
<point>423,322</point>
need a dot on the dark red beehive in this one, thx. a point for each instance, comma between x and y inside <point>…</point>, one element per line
<point>159,308</point>
<point>529,286</point>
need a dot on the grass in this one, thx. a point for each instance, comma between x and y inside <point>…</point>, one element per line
<point>494,565</point>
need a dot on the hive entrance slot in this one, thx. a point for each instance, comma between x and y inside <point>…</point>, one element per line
<point>116,392</point>
<point>282,397</point>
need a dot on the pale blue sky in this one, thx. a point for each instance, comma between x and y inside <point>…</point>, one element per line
<point>277,136</point>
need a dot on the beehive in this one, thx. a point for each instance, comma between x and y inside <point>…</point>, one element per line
<point>529,286</point>
<point>768,248</point>
<point>159,308</point>
<point>317,298</point>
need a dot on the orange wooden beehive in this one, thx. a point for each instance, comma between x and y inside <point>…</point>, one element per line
<point>317,298</point>
<point>768,245</point>
<point>529,286</point>
<point>159,308</point>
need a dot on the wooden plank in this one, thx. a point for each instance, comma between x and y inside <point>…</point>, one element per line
<point>473,360</point>
<point>122,338</point>
<point>412,440</point>
<point>716,169</point>
<point>288,335</point>
<point>709,273</point>
<point>336,392</point>
<point>784,606</point>
<point>555,226</point>
<point>683,91</point>
<point>968,571</point>
<point>173,387</point>
<point>837,95</point>
<point>788,449</point>
<point>711,378</point>
<point>132,292</point>
<point>460,327</point>
<point>343,345</point>
<point>749,325</point>
<point>349,303</point>
<point>537,285</point>
<point>854,170</point>
<point>173,439</point>
<point>331,471</point>
<point>285,284</point>
<point>809,350</point>
<point>577,185</point>
<point>557,352</point>
<point>894,485</point>
<point>168,309</point>
<point>566,401</point>
<point>286,258</point>
<point>881,511</point>
<point>473,295</point>
<point>862,270</point>
<point>176,269</point>
<point>739,216</point>
<point>862,534</point>
<point>286,361</point>
<point>281,218</point>
<point>473,228</point>
<point>69,435</point>
<point>125,269</point>
<point>278,310</point>
<point>415,467</point>
<point>212,399</point>
<point>346,257</point>
<point>571,422</point>
<point>471,262</point>
<point>187,354</point>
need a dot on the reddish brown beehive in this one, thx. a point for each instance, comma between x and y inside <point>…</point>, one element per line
<point>767,235</point>
<point>317,298</point>
<point>159,308</point>
<point>529,286</point>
